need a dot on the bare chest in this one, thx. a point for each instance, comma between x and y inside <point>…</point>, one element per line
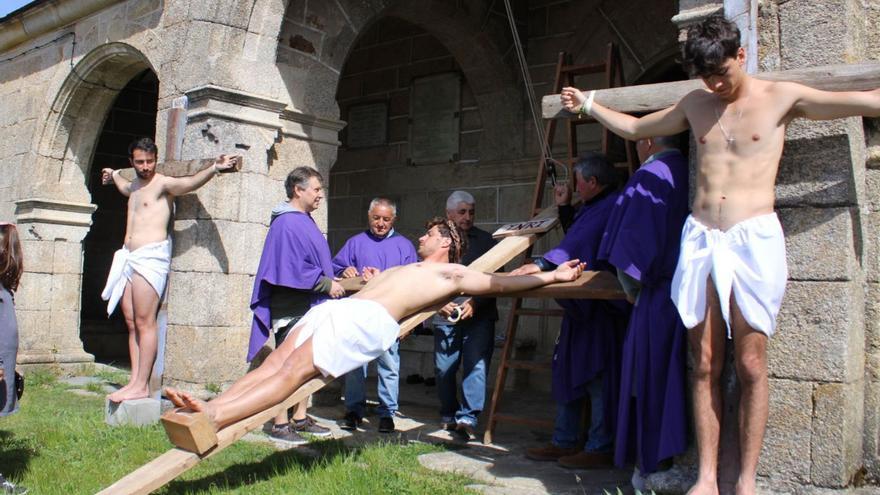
<point>148,199</point>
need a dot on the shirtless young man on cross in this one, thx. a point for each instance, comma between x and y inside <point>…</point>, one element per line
<point>731,273</point>
<point>139,271</point>
<point>339,335</point>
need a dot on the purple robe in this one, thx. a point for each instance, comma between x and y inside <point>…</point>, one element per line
<point>365,249</point>
<point>592,330</point>
<point>642,239</point>
<point>295,255</point>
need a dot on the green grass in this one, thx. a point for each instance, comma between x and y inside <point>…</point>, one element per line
<point>58,444</point>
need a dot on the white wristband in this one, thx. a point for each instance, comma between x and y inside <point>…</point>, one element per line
<point>587,107</point>
<point>216,170</point>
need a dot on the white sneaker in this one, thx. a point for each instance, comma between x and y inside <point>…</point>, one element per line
<point>638,481</point>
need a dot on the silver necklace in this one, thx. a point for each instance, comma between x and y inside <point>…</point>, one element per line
<point>727,135</point>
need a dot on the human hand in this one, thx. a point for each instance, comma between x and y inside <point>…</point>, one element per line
<point>525,270</point>
<point>467,309</point>
<point>448,310</point>
<point>349,272</point>
<point>336,290</point>
<point>370,272</point>
<point>225,162</point>
<point>561,194</point>
<point>106,176</point>
<point>569,271</point>
<point>572,99</point>
<point>2,374</point>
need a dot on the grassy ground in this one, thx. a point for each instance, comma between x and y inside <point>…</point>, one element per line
<point>58,444</point>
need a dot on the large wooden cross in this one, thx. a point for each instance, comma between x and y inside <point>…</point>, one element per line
<point>182,168</point>
<point>651,97</point>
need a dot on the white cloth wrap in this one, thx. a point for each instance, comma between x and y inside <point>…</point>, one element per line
<point>346,334</point>
<point>747,259</point>
<point>151,261</point>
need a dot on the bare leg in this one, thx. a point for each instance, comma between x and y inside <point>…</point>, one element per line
<point>751,370</point>
<point>128,313</point>
<point>146,306</point>
<point>293,373</point>
<point>707,349</point>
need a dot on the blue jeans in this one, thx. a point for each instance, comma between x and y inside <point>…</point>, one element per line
<point>388,370</point>
<point>567,429</point>
<point>469,344</point>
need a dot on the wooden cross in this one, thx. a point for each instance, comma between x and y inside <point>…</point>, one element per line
<point>652,97</point>
<point>182,168</point>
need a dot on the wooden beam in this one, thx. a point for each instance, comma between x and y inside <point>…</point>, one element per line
<point>175,462</point>
<point>183,168</point>
<point>651,97</point>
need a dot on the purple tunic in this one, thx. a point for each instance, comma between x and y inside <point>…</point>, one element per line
<point>592,330</point>
<point>365,249</point>
<point>642,239</point>
<point>295,255</point>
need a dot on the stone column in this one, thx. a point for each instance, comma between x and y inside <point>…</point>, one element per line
<point>48,301</point>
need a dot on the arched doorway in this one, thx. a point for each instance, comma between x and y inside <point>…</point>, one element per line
<point>133,114</point>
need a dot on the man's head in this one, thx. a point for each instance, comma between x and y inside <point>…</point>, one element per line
<point>646,147</point>
<point>443,241</point>
<point>304,187</point>
<point>592,174</point>
<point>142,156</point>
<point>713,53</point>
<point>460,208</point>
<point>381,216</point>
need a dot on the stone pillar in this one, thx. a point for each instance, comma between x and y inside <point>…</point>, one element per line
<point>48,301</point>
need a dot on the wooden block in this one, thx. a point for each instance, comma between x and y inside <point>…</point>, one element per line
<point>534,226</point>
<point>190,431</point>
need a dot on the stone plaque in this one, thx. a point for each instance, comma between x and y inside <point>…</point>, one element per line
<point>367,125</point>
<point>434,114</point>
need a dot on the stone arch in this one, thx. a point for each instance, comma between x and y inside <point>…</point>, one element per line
<point>75,119</point>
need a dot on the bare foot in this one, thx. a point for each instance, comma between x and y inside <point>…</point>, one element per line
<point>187,403</point>
<point>704,488</point>
<point>116,393</point>
<point>131,394</point>
<point>174,396</point>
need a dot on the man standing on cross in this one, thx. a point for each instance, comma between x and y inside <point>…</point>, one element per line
<point>731,273</point>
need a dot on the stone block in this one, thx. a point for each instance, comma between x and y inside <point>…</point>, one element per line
<point>809,37</point>
<point>209,299</point>
<point>872,320</point>
<point>138,412</point>
<point>205,354</point>
<point>819,243</point>
<point>67,257</point>
<point>219,199</point>
<point>871,245</point>
<point>838,418</point>
<point>257,196</point>
<point>34,292</point>
<point>816,168</point>
<point>362,13</point>
<point>40,255</point>
<point>872,189</point>
<point>65,292</point>
<point>217,246</point>
<point>34,328</point>
<point>785,454</point>
<point>514,202</point>
<point>820,333</point>
<point>872,428</point>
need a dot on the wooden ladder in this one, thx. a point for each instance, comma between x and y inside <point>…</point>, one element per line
<point>565,76</point>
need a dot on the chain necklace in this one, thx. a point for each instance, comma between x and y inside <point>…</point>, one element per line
<point>728,136</point>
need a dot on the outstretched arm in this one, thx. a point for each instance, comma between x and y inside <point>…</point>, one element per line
<point>109,175</point>
<point>666,122</point>
<point>178,186</point>
<point>816,104</point>
<point>477,283</point>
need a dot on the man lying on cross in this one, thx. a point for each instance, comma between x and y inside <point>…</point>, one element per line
<point>337,336</point>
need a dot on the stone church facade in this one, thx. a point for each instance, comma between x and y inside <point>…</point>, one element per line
<point>277,81</point>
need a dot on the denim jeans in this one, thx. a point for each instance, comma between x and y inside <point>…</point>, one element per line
<point>388,371</point>
<point>567,429</point>
<point>470,345</point>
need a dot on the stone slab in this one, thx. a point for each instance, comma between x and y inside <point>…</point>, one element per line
<point>838,420</point>
<point>138,412</point>
<point>819,243</point>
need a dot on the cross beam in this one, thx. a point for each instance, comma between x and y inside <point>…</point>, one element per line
<point>651,97</point>
<point>182,168</point>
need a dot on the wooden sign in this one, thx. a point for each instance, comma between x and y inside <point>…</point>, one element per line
<point>534,226</point>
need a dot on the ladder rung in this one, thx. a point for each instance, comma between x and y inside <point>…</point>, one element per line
<point>528,365</point>
<point>577,70</point>
<point>509,418</point>
<point>539,312</point>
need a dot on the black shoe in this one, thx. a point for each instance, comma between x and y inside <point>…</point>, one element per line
<point>386,425</point>
<point>285,434</point>
<point>466,432</point>
<point>351,421</point>
<point>447,425</point>
<point>310,427</point>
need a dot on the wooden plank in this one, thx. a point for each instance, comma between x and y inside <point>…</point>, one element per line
<point>183,168</point>
<point>651,97</point>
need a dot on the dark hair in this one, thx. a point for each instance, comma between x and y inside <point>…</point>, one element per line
<point>708,45</point>
<point>145,144</point>
<point>449,230</point>
<point>592,164</point>
<point>299,177</point>
<point>11,264</point>
<point>667,141</point>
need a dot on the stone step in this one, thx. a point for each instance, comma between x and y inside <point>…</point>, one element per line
<point>137,412</point>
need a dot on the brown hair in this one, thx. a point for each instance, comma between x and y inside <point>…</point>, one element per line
<point>449,230</point>
<point>11,265</point>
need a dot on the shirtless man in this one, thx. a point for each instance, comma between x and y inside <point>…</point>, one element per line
<point>340,335</point>
<point>733,234</point>
<point>138,274</point>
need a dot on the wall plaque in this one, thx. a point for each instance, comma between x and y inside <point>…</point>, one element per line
<point>434,118</point>
<point>367,125</point>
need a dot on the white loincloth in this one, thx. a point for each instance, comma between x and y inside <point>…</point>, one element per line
<point>346,334</point>
<point>747,259</point>
<point>151,261</point>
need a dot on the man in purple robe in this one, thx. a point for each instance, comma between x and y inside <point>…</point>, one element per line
<point>586,358</point>
<point>295,273</point>
<point>370,252</point>
<point>642,242</point>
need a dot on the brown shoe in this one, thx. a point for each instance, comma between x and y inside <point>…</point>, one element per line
<point>587,460</point>
<point>549,453</point>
